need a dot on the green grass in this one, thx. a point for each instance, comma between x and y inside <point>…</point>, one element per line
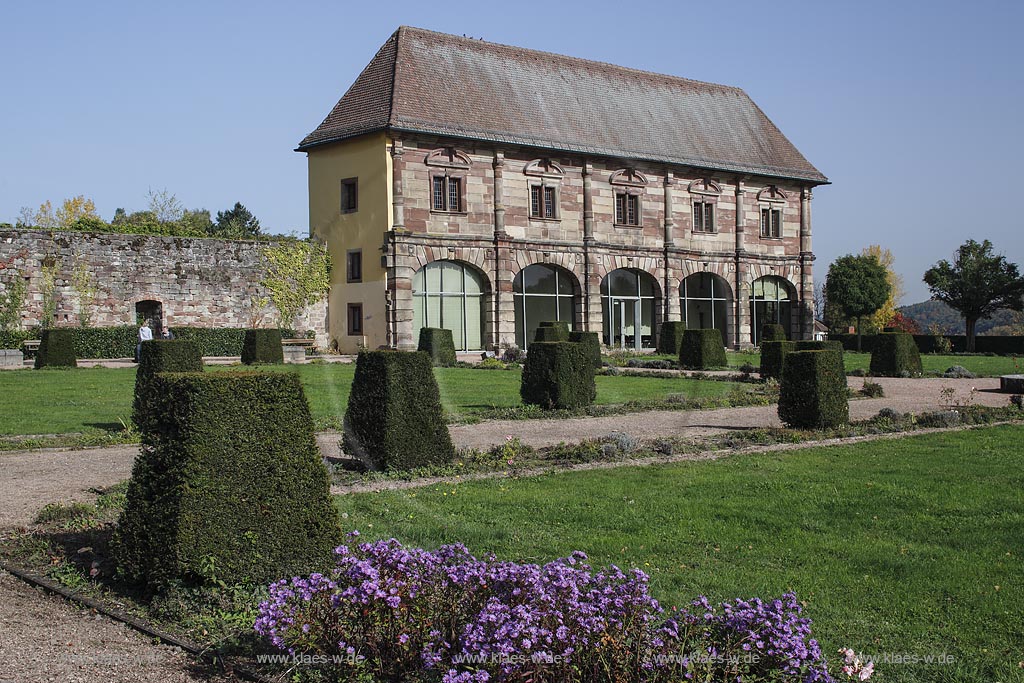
<point>983,366</point>
<point>89,400</point>
<point>895,546</point>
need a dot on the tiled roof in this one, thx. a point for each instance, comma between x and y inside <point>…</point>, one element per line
<point>426,82</point>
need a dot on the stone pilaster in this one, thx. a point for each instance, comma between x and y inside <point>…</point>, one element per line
<point>806,266</point>
<point>397,197</point>
<point>587,322</point>
<point>670,298</point>
<point>501,308</point>
<point>741,328</point>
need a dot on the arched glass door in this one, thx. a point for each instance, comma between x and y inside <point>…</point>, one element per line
<point>451,295</point>
<point>542,292</point>
<point>627,304</point>
<point>704,300</point>
<point>771,301</point>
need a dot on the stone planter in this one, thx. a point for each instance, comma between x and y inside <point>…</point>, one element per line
<point>11,358</point>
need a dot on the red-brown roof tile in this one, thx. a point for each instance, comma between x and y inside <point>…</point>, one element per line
<point>426,82</point>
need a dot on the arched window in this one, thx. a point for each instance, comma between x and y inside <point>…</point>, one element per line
<point>451,295</point>
<point>771,301</point>
<point>628,304</point>
<point>704,299</point>
<point>541,293</point>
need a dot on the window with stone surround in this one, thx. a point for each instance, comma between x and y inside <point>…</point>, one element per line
<point>627,208</point>
<point>355,320</point>
<point>771,222</point>
<point>446,193</point>
<point>628,184</point>
<point>349,195</point>
<point>703,217</point>
<point>705,193</point>
<point>543,202</point>
<point>772,202</point>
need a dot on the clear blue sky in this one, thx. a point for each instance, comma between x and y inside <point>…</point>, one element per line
<point>913,109</point>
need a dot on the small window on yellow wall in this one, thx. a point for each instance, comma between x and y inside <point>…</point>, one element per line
<point>354,266</point>
<point>349,195</point>
<point>355,319</point>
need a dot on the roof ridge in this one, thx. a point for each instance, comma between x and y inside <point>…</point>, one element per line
<point>578,60</point>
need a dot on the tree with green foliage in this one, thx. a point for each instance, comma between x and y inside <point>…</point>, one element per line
<point>857,286</point>
<point>977,284</point>
<point>236,223</point>
<point>298,273</point>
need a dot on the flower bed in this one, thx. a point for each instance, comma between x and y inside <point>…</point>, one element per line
<point>387,612</point>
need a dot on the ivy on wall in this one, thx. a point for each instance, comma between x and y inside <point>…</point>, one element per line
<point>298,274</point>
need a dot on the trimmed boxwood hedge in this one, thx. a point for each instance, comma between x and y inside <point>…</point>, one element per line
<point>591,343</point>
<point>394,419</point>
<point>773,332</point>
<point>13,339</point>
<point>671,337</point>
<point>262,346</point>
<point>57,349</point>
<point>702,349</point>
<point>438,343</point>
<point>816,345</point>
<point>552,331</point>
<point>160,355</point>
<point>893,354</point>
<point>229,485</point>
<point>558,375</point>
<point>813,390</point>
<point>773,354</point>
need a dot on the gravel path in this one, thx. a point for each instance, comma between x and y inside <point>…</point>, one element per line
<point>45,638</point>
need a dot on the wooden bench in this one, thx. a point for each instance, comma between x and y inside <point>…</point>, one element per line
<point>31,344</point>
<point>295,349</point>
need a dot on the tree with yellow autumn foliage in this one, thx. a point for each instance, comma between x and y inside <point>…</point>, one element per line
<point>884,316</point>
<point>75,208</point>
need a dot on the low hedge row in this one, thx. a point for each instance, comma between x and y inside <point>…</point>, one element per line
<point>394,419</point>
<point>702,349</point>
<point>894,354</point>
<point>229,486</point>
<point>813,392</point>
<point>558,375</point>
<point>1001,345</point>
<point>438,343</point>
<point>13,339</point>
<point>816,345</point>
<point>671,337</point>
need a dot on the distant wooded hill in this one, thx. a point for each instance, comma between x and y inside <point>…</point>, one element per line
<point>928,313</point>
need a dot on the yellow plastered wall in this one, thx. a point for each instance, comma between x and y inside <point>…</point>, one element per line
<point>366,158</point>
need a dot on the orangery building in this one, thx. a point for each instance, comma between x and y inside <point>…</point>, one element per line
<point>485,188</point>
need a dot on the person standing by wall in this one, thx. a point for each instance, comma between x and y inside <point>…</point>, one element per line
<point>145,334</point>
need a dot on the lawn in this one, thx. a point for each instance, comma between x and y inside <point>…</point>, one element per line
<point>63,401</point>
<point>910,547</point>
<point>983,366</point>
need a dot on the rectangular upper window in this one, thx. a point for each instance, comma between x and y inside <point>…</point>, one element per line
<point>543,202</point>
<point>703,217</point>
<point>354,266</point>
<point>771,222</point>
<point>627,208</point>
<point>446,194</point>
<point>349,195</point>
<point>355,319</point>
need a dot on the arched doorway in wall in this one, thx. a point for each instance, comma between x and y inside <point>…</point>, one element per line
<point>543,292</point>
<point>150,311</point>
<point>705,302</point>
<point>771,301</point>
<point>628,303</point>
<point>451,295</point>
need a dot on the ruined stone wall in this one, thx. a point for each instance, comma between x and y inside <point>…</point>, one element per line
<point>198,282</point>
